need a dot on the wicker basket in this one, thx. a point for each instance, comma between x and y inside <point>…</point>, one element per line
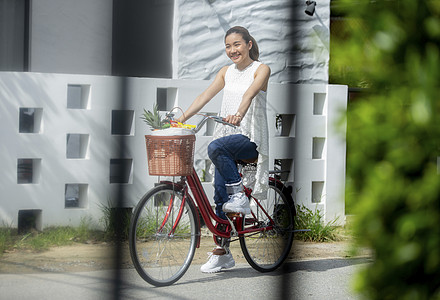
<point>170,155</point>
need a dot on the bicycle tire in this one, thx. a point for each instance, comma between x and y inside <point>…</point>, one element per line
<point>160,256</point>
<point>266,250</point>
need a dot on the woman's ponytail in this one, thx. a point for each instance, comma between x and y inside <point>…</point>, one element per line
<point>254,53</point>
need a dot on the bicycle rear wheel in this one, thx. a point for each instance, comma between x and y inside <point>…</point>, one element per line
<point>163,235</point>
<point>266,250</point>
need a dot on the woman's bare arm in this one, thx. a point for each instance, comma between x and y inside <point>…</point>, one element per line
<point>213,89</point>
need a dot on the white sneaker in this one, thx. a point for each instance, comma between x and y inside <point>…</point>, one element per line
<point>218,262</point>
<point>238,203</point>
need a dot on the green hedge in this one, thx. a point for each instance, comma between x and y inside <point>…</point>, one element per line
<point>392,48</point>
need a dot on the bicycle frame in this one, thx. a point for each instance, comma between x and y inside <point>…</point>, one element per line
<point>165,227</point>
<point>193,182</point>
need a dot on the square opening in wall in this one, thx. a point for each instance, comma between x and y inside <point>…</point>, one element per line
<point>210,125</point>
<point>30,120</point>
<point>77,146</point>
<point>202,167</point>
<point>283,168</point>
<point>161,200</point>
<point>120,170</point>
<point>28,170</point>
<point>317,190</point>
<point>285,125</point>
<point>76,195</point>
<point>166,98</point>
<point>122,122</point>
<point>318,147</point>
<point>318,103</point>
<point>28,220</point>
<point>78,96</point>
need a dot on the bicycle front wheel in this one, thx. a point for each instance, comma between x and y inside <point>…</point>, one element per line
<point>163,235</point>
<point>267,249</point>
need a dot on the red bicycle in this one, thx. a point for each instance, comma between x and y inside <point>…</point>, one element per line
<point>165,226</point>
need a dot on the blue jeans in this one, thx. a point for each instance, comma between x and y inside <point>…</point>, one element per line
<point>224,152</point>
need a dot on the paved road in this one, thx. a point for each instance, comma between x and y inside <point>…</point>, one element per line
<point>315,279</point>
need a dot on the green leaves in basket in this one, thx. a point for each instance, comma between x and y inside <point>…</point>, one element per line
<point>154,120</point>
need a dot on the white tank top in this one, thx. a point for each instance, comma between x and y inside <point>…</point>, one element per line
<point>253,125</point>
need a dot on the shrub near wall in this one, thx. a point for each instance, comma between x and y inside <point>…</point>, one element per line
<point>393,144</point>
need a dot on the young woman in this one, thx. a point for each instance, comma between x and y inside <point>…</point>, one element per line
<point>244,85</point>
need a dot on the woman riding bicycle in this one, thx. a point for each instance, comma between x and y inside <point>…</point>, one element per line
<point>244,85</point>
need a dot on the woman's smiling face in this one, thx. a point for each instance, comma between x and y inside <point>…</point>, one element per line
<point>237,49</point>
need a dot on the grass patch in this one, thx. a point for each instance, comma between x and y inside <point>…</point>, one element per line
<point>116,222</point>
<point>313,220</point>
<point>6,239</point>
<point>34,240</point>
<point>49,237</point>
<point>52,236</point>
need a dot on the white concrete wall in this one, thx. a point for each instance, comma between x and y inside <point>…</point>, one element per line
<point>72,37</point>
<point>75,37</point>
<point>296,52</point>
<point>48,93</point>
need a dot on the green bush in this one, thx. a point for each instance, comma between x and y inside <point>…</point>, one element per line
<point>393,143</point>
<point>313,221</point>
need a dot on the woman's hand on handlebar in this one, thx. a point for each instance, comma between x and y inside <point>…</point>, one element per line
<point>233,119</point>
<point>181,119</point>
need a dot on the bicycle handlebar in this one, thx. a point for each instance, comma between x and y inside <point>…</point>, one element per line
<point>218,119</point>
<point>199,126</point>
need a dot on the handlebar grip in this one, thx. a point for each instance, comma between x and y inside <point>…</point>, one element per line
<point>223,121</point>
<point>215,118</point>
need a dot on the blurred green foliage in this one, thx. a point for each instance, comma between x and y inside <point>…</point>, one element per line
<point>392,48</point>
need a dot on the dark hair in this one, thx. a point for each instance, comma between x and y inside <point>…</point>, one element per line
<point>254,53</point>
